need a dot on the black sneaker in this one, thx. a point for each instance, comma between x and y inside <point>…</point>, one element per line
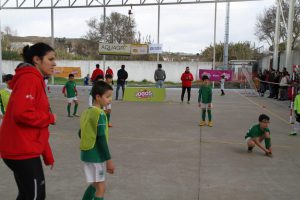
<point>250,149</point>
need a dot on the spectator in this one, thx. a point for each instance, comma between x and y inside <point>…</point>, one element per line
<point>96,72</point>
<point>86,80</point>
<point>186,78</point>
<point>121,81</point>
<point>159,76</point>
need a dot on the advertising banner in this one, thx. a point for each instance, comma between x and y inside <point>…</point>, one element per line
<point>139,49</point>
<point>155,48</point>
<point>114,49</point>
<point>64,72</point>
<point>145,94</point>
<point>215,75</point>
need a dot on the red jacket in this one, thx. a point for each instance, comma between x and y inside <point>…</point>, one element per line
<point>109,71</point>
<point>24,132</point>
<point>95,73</point>
<point>187,79</point>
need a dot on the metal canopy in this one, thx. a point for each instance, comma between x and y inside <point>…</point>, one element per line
<point>46,4</point>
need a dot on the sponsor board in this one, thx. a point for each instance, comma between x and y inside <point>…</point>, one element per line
<point>114,49</point>
<point>64,72</point>
<point>139,49</point>
<point>145,94</point>
<point>215,75</point>
<point>155,48</point>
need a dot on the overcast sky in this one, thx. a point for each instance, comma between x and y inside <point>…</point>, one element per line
<point>183,28</point>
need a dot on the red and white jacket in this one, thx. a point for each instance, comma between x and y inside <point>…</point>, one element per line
<point>24,132</point>
<point>187,79</point>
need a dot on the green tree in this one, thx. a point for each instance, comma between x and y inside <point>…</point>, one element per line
<point>119,28</point>
<point>265,25</point>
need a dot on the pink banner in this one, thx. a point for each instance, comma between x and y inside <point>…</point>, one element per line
<point>215,75</point>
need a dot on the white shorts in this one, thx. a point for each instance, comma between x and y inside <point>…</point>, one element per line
<point>94,172</point>
<point>205,105</point>
<point>70,100</point>
<point>248,138</point>
<point>108,107</point>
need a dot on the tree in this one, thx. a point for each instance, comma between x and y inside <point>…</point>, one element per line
<point>119,29</point>
<point>236,51</point>
<point>265,25</point>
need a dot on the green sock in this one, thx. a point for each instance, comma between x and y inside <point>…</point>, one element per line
<point>268,142</point>
<point>203,114</point>
<point>75,109</point>
<point>209,114</point>
<point>98,198</point>
<point>89,193</point>
<point>69,108</point>
<point>108,117</point>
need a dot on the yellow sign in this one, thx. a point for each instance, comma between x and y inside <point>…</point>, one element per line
<point>64,72</point>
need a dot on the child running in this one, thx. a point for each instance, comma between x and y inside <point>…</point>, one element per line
<point>259,132</point>
<point>107,109</point>
<point>205,101</point>
<point>5,94</point>
<point>222,83</point>
<point>70,92</point>
<point>94,142</point>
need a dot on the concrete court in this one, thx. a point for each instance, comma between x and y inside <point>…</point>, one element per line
<point>161,153</point>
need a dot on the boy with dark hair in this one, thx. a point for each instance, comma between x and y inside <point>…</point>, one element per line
<point>98,78</point>
<point>107,109</point>
<point>94,142</point>
<point>70,92</point>
<point>259,132</point>
<point>205,101</point>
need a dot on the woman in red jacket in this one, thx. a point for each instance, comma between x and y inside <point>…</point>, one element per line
<point>186,78</point>
<point>24,132</point>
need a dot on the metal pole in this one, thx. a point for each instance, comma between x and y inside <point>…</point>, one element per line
<point>215,28</point>
<point>288,59</point>
<point>0,51</point>
<point>158,30</point>
<point>226,39</point>
<point>276,38</point>
<point>52,35</point>
<point>104,33</point>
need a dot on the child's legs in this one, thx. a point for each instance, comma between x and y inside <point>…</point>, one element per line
<point>76,106</point>
<point>100,189</point>
<point>250,142</point>
<point>209,114</point>
<point>69,108</point>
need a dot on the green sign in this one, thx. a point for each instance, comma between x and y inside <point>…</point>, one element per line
<point>145,94</point>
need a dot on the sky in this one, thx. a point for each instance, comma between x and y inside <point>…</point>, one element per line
<point>183,28</point>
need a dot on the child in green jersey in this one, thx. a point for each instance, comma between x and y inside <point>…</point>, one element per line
<point>71,93</point>
<point>94,142</point>
<point>259,132</point>
<point>107,109</point>
<point>205,101</point>
<point>5,94</point>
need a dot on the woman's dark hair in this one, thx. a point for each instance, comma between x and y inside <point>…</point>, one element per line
<point>99,88</point>
<point>263,117</point>
<point>38,49</point>
<point>7,77</point>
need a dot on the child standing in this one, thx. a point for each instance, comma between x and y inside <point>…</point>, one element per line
<point>222,83</point>
<point>5,94</point>
<point>258,133</point>
<point>71,93</point>
<point>98,78</point>
<point>107,109</point>
<point>205,101</point>
<point>94,142</point>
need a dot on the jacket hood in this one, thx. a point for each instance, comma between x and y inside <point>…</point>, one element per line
<point>25,68</point>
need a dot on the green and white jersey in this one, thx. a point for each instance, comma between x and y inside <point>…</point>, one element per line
<point>205,94</point>
<point>255,131</point>
<point>71,89</point>
<point>99,152</point>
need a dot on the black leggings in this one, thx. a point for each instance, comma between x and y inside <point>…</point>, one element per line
<point>29,177</point>
<point>183,92</point>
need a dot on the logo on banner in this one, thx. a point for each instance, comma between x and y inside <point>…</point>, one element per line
<point>144,94</point>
